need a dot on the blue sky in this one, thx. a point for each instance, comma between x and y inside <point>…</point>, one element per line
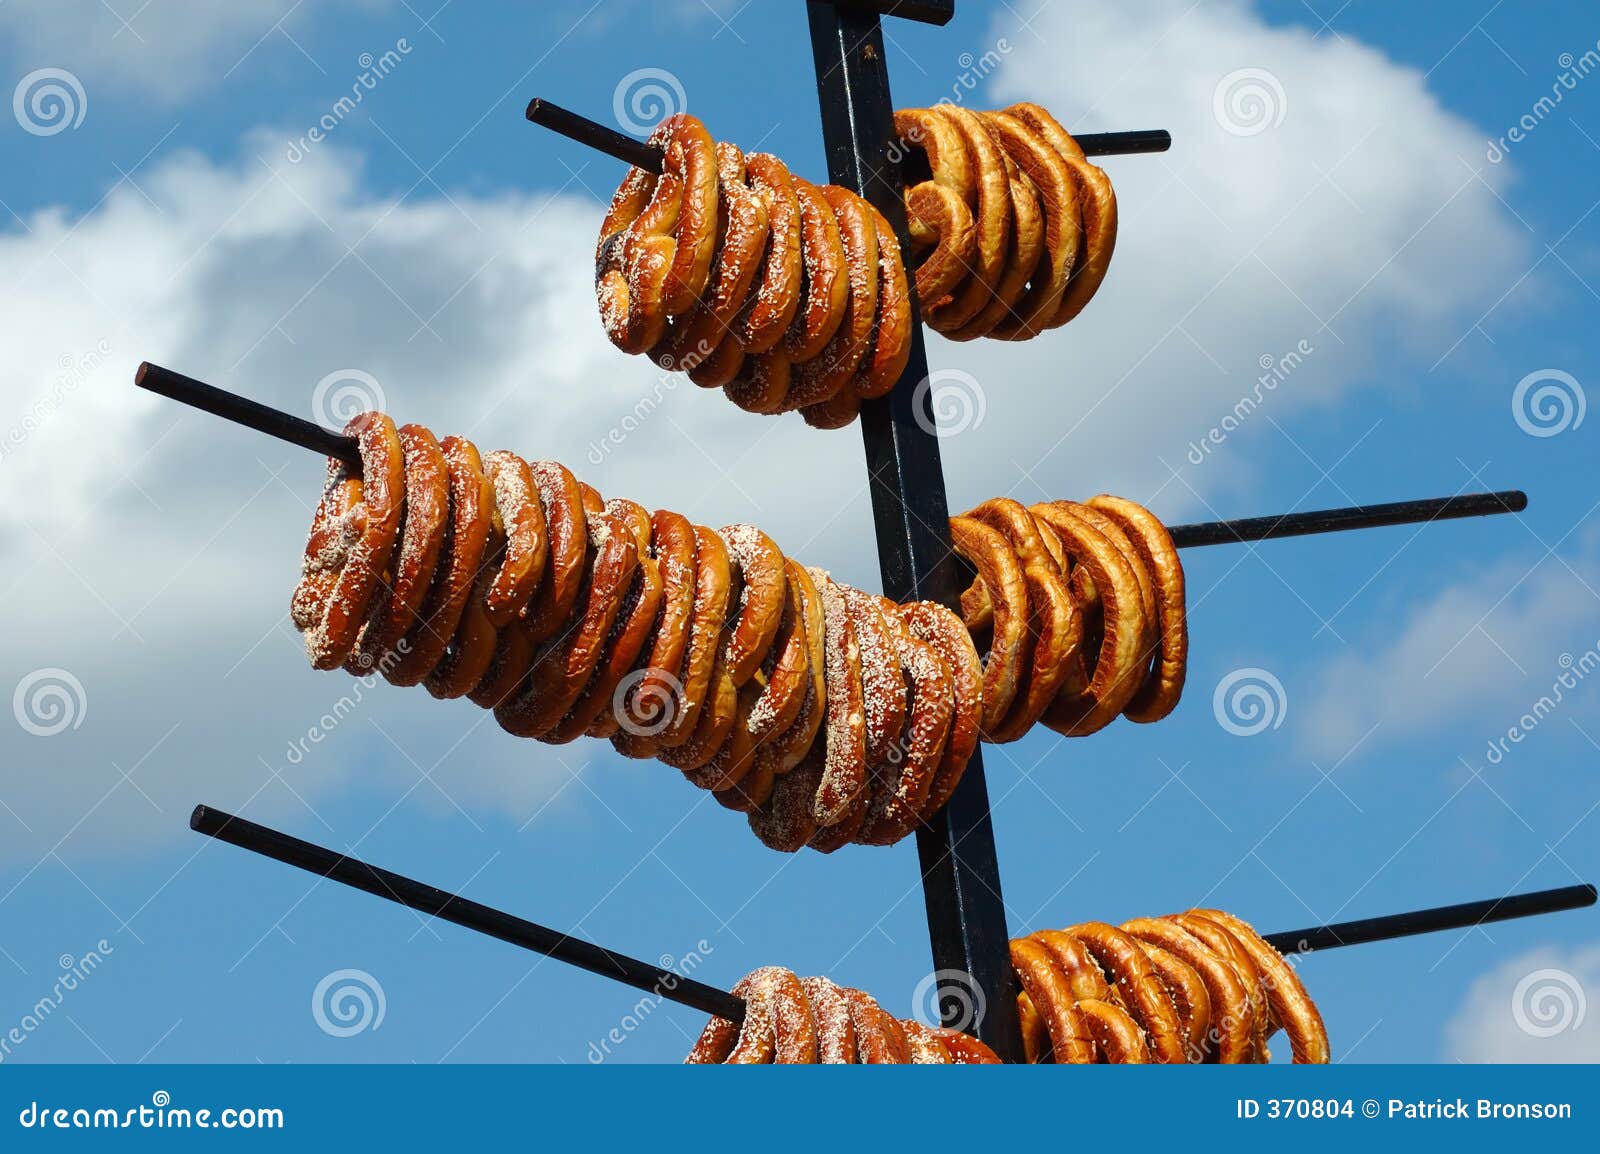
<point>437,244</point>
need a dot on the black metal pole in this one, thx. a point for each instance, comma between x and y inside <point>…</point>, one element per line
<point>1458,917</point>
<point>1355,517</point>
<point>595,135</point>
<point>1124,143</point>
<point>251,414</point>
<point>960,872</point>
<point>463,912</point>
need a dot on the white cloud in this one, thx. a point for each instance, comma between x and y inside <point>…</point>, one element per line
<point>1471,659</point>
<point>1359,209</point>
<point>156,548</point>
<point>1534,1008</point>
<point>163,49</point>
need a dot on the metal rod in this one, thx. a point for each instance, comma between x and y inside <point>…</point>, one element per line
<point>1125,143</point>
<point>286,427</point>
<point>595,135</point>
<point>641,155</point>
<point>1458,917</point>
<point>251,414</point>
<point>451,908</point>
<point>956,849</point>
<point>926,11</point>
<point>1354,517</point>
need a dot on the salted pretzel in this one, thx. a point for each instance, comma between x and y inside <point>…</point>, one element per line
<point>1230,1037</point>
<point>1097,204</point>
<point>701,341</point>
<point>826,281</point>
<point>659,237</point>
<point>818,379</point>
<point>828,715</point>
<point>1291,1007</point>
<point>353,534</point>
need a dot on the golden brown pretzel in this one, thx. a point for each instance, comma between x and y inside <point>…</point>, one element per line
<point>702,341</point>
<point>1058,193</point>
<point>712,586</point>
<point>564,517</point>
<point>425,514</point>
<point>903,781</point>
<point>471,518</point>
<point>1225,946</point>
<point>943,231</point>
<point>836,1034</point>
<point>353,536</point>
<point>1097,205</point>
<point>1010,644</point>
<point>842,789</point>
<point>965,1050</point>
<point>891,330</point>
<point>1162,687</point>
<point>757,562</point>
<point>778,1026</point>
<point>826,282</point>
<point>1291,1006</point>
<point>949,639</point>
<point>927,1048</point>
<point>1052,1000</point>
<point>520,516</point>
<point>1231,1036</point>
<point>659,237</point>
<point>879,1037</point>
<point>1137,984</point>
<point>771,308</point>
<point>835,366</point>
<point>1022,254</point>
<point>989,197</point>
<point>654,692</point>
<point>1188,994</point>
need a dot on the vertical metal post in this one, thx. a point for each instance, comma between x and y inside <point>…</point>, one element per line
<point>960,874</point>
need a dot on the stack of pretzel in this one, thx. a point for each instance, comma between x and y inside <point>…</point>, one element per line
<point>809,1021</point>
<point>1200,986</point>
<point>829,715</point>
<point>793,296</point>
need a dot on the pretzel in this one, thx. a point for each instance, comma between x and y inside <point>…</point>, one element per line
<point>927,1048</point>
<point>903,779</point>
<point>1054,628</point>
<point>891,330</point>
<point>836,1034</point>
<point>777,1025</point>
<point>952,644</point>
<point>762,589</point>
<point>965,1050</point>
<point>717,715</point>
<point>563,667</point>
<point>1159,693</point>
<point>786,821</point>
<point>659,237</point>
<point>783,750</point>
<point>352,537</point>
<point>702,341</point>
<point>1225,946</point>
<point>1292,1008</point>
<point>1057,187</point>
<point>762,382</point>
<point>1116,673</point>
<point>1116,1035</point>
<point>424,516</point>
<point>471,651</point>
<point>712,586</point>
<point>943,231</point>
<point>1022,254</point>
<point>1010,644</point>
<point>833,368</point>
<point>842,788</point>
<point>564,517</point>
<point>880,1039</point>
<point>1188,994</point>
<point>1231,1035</point>
<point>988,195</point>
<point>655,693</point>
<point>1097,204</point>
<point>466,539</point>
<point>1051,999</point>
<point>519,515</point>
<point>771,309</point>
<point>592,714</point>
<point>1138,985</point>
<point>826,281</point>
